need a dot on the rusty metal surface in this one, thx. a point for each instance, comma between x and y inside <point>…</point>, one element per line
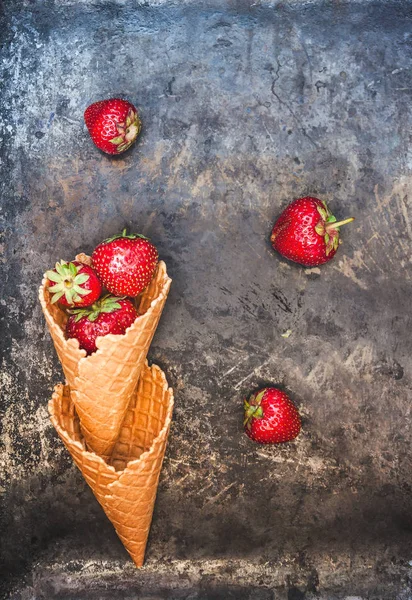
<point>245,106</point>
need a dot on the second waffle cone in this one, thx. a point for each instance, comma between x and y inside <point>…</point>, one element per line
<point>126,489</point>
<point>103,383</point>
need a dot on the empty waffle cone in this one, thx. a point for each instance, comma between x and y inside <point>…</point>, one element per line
<point>126,488</point>
<point>103,383</point>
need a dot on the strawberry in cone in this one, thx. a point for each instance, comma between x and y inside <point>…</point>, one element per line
<point>103,382</point>
<point>107,315</point>
<point>73,284</point>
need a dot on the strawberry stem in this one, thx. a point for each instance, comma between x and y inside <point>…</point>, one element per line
<point>130,236</point>
<point>338,224</point>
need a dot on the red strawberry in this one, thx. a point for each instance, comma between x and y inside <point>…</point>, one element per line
<point>73,284</point>
<point>270,417</point>
<point>125,263</point>
<point>107,315</point>
<point>307,233</point>
<point>113,124</point>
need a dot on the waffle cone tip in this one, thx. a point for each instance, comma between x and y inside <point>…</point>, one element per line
<point>126,488</point>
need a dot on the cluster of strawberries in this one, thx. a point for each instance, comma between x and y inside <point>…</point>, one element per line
<point>306,232</point>
<point>96,295</point>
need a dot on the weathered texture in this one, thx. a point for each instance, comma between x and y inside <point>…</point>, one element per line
<point>245,106</point>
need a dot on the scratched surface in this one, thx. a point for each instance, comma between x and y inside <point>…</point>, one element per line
<point>245,106</point>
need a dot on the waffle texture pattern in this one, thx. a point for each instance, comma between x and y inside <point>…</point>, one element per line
<point>102,384</point>
<point>126,488</point>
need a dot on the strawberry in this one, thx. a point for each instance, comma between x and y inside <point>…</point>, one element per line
<point>107,315</point>
<point>307,233</point>
<point>270,417</point>
<point>113,124</point>
<point>73,284</point>
<point>125,263</point>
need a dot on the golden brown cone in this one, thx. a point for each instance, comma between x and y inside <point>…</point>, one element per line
<point>102,384</point>
<point>127,488</point>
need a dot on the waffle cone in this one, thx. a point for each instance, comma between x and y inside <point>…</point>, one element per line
<point>103,383</point>
<point>126,488</point>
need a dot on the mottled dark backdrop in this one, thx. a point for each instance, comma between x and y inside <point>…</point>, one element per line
<point>245,106</point>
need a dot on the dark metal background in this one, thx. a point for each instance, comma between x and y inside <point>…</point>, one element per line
<point>245,106</point>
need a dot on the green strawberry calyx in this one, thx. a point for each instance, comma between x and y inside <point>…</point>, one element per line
<point>328,227</point>
<point>253,409</point>
<point>67,282</point>
<point>127,130</point>
<point>129,236</point>
<point>107,304</point>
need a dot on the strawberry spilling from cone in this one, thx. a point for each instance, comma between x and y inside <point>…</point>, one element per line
<point>107,315</point>
<point>113,413</point>
<point>125,263</point>
<point>73,284</point>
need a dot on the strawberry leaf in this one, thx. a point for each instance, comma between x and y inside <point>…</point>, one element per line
<point>82,278</point>
<point>56,297</point>
<point>58,287</point>
<point>117,140</point>
<point>129,236</point>
<point>53,276</point>
<point>258,414</point>
<point>330,245</point>
<point>60,268</point>
<point>326,207</point>
<point>252,409</point>
<point>258,399</point>
<point>107,304</point>
<point>319,228</point>
<point>80,290</point>
<point>123,147</point>
<point>110,308</point>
